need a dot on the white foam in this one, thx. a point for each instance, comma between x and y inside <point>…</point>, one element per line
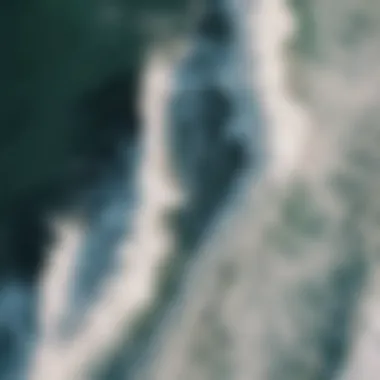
<point>129,293</point>
<point>287,121</point>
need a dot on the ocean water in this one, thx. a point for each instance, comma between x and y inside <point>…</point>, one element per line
<point>239,240</point>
